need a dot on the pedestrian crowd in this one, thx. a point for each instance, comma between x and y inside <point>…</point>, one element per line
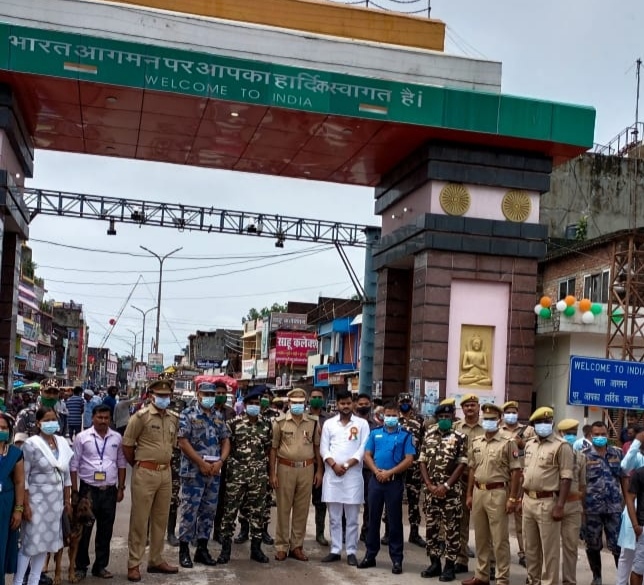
<point>198,469</point>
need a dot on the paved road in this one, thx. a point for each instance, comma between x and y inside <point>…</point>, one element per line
<point>291,572</point>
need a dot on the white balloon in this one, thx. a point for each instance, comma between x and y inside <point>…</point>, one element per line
<point>561,306</point>
<point>537,309</point>
<point>588,317</point>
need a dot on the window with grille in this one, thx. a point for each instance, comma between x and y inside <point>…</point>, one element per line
<point>596,286</point>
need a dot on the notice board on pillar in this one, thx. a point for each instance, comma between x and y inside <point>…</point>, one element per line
<point>478,335</point>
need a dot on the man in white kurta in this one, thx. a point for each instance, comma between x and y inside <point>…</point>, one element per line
<point>342,448</point>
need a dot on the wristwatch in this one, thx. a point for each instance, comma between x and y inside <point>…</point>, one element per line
<point>346,465</point>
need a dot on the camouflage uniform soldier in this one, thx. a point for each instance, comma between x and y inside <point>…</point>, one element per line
<point>604,479</point>
<point>316,409</point>
<point>413,424</point>
<point>177,405</point>
<point>247,472</point>
<point>269,414</point>
<point>443,457</point>
<point>204,443</point>
<point>26,419</point>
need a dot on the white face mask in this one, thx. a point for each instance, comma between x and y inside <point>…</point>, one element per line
<point>511,418</point>
<point>490,425</point>
<point>543,429</point>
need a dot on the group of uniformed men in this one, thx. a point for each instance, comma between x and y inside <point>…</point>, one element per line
<point>486,464</point>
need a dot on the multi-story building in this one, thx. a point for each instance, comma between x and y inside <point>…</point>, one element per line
<point>71,349</point>
<point>102,367</point>
<point>219,350</point>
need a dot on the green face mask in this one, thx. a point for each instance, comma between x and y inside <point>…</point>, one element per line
<point>48,402</point>
<point>444,424</point>
<point>220,399</point>
<point>264,402</point>
<point>316,402</point>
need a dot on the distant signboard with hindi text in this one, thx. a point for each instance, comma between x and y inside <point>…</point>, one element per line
<point>606,383</point>
<point>293,347</point>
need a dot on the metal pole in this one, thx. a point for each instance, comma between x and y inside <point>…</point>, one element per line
<point>368,313</point>
<point>135,344</point>
<point>161,259</point>
<point>143,314</point>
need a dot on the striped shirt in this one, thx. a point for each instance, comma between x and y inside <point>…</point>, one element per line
<point>75,410</point>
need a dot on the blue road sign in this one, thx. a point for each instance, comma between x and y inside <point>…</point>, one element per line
<point>606,383</point>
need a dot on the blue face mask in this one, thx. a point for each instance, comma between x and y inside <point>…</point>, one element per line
<point>50,427</point>
<point>208,401</point>
<point>297,409</point>
<point>4,436</point>
<point>543,429</point>
<point>162,402</point>
<point>490,425</point>
<point>570,438</point>
<point>600,441</point>
<point>391,421</point>
<point>253,409</point>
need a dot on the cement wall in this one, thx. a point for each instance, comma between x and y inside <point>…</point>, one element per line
<point>608,190</point>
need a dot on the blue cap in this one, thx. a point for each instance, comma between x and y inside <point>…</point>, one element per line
<point>255,393</point>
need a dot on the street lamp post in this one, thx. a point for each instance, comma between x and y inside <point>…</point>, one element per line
<point>135,343</point>
<point>143,313</point>
<point>161,260</point>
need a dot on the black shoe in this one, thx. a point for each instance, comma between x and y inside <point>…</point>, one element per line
<point>45,579</point>
<point>366,563</point>
<point>363,536</point>
<point>242,537</point>
<point>202,554</point>
<point>184,555</point>
<point>460,568</point>
<point>256,552</point>
<point>267,538</point>
<point>330,558</point>
<point>385,540</point>
<point>522,561</point>
<point>434,570</point>
<point>396,568</point>
<point>224,555</point>
<point>80,574</point>
<point>448,572</point>
<point>492,573</point>
<point>352,561</point>
<point>418,540</point>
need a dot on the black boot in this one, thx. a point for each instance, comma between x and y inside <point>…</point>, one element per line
<point>385,539</point>
<point>202,554</point>
<point>242,537</point>
<point>415,538</point>
<point>434,570</point>
<point>448,572</point>
<point>266,537</point>
<point>216,535</point>
<point>172,525</point>
<point>184,555</point>
<point>595,563</point>
<point>256,553</point>
<point>224,555</point>
<point>320,517</point>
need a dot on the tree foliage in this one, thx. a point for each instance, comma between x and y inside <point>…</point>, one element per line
<point>264,312</point>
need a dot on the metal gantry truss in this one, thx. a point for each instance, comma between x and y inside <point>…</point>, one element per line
<point>625,336</point>
<point>192,218</point>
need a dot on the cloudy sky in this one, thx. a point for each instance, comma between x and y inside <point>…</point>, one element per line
<point>579,51</point>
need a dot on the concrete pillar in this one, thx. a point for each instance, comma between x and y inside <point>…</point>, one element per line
<point>16,163</point>
<point>393,310</point>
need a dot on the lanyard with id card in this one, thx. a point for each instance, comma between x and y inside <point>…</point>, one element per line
<point>100,475</point>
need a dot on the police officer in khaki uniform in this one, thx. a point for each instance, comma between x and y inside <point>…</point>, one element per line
<point>547,476</point>
<point>521,434</point>
<point>492,493</point>
<point>471,428</point>
<point>150,435</point>
<point>573,509</point>
<point>295,448</point>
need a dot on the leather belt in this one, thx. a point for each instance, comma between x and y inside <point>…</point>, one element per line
<point>491,486</point>
<point>540,495</point>
<point>153,465</point>
<point>290,463</point>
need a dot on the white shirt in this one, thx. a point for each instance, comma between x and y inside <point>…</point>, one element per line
<point>343,442</point>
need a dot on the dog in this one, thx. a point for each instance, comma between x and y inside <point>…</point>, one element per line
<point>82,516</point>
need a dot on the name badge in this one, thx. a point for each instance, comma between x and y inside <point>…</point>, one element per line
<point>100,476</point>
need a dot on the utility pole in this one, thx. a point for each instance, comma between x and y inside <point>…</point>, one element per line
<point>161,260</point>
<point>143,314</point>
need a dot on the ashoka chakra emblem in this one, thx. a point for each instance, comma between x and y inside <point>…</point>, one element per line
<point>516,206</point>
<point>454,199</point>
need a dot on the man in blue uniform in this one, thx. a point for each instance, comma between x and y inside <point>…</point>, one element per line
<point>205,445</point>
<point>388,454</point>
<point>605,480</point>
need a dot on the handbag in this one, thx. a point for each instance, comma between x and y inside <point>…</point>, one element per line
<point>67,528</point>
